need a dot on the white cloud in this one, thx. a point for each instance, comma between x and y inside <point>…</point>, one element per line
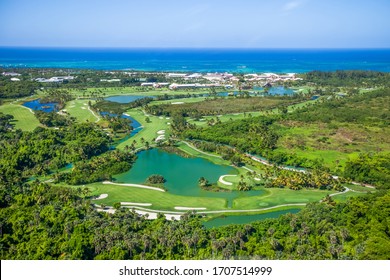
<point>291,6</point>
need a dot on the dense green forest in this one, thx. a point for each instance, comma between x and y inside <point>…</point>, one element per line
<point>253,135</point>
<point>348,78</point>
<point>39,221</point>
<point>25,154</point>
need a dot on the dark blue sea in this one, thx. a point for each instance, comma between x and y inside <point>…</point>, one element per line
<point>199,60</point>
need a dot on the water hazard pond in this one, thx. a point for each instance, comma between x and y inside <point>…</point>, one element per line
<point>37,105</point>
<point>245,219</point>
<point>181,174</point>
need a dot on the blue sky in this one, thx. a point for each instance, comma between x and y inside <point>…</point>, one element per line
<point>196,24</point>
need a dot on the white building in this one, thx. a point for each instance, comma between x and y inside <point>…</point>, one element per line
<point>12,74</point>
<point>176,75</point>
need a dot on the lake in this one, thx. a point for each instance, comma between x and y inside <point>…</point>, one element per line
<point>280,91</point>
<point>181,174</point>
<point>245,219</point>
<point>125,98</point>
<point>37,105</point>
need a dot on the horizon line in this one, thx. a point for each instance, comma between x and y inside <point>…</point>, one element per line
<point>197,48</point>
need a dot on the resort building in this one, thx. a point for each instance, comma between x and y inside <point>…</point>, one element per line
<point>184,86</point>
<point>110,80</point>
<point>13,74</point>
<point>176,75</point>
<point>155,85</point>
<point>54,79</point>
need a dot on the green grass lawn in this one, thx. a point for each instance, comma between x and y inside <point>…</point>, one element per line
<point>24,118</point>
<point>159,200</point>
<point>274,197</point>
<point>149,130</point>
<point>79,110</point>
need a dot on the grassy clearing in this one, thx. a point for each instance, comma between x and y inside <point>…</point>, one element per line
<point>243,115</point>
<point>332,143</point>
<point>229,105</point>
<point>79,110</point>
<point>24,118</point>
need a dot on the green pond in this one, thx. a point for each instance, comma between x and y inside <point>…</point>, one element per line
<point>181,174</point>
<point>245,219</point>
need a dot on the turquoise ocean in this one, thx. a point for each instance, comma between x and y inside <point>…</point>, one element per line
<point>199,60</point>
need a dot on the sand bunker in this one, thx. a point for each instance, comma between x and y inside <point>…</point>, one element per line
<point>102,196</point>
<point>221,180</point>
<point>136,204</point>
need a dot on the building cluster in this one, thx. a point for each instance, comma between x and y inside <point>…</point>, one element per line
<point>227,80</point>
<point>54,79</point>
<point>271,77</point>
<point>13,76</point>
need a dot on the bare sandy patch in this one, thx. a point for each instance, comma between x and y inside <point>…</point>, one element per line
<point>221,180</point>
<point>102,196</point>
<point>134,185</point>
<point>136,204</point>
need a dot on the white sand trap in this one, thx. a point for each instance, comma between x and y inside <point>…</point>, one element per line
<point>177,103</point>
<point>102,196</point>
<point>160,138</point>
<point>64,110</point>
<point>221,180</point>
<point>168,123</point>
<point>83,108</point>
<point>134,185</point>
<point>257,179</point>
<point>136,204</point>
<point>126,114</point>
<point>161,132</point>
<point>190,208</point>
<point>167,118</point>
<point>172,217</point>
<point>85,104</point>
